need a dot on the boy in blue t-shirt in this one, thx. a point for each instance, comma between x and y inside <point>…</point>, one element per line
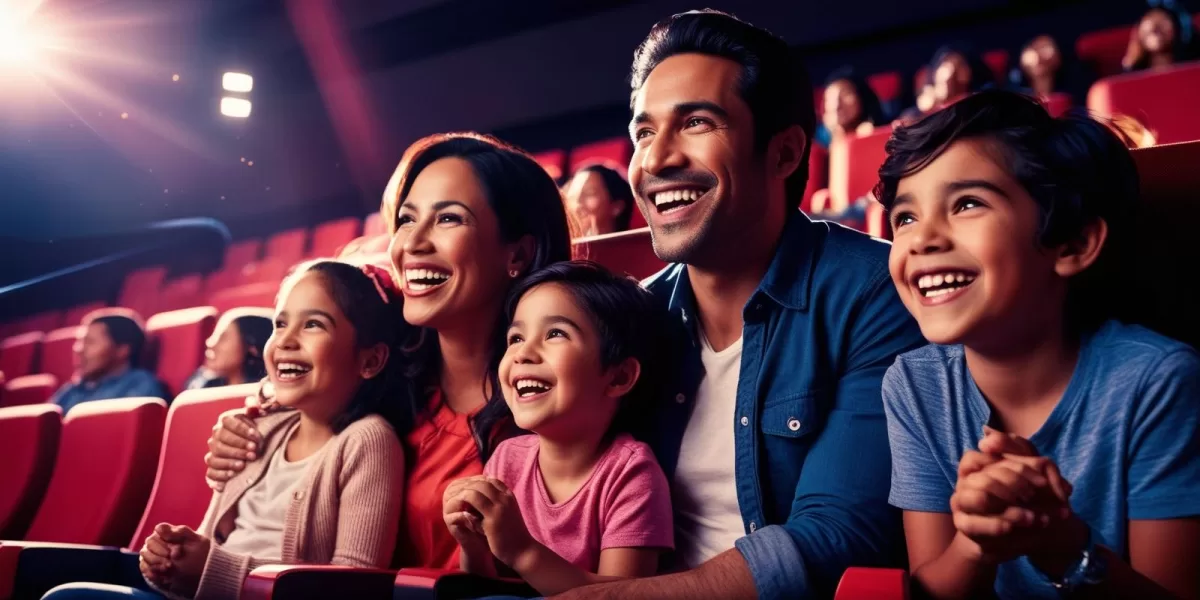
<point>1038,449</point>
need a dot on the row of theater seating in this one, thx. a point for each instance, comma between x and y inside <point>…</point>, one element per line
<point>80,496</point>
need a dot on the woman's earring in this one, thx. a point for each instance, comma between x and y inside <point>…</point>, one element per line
<point>513,273</point>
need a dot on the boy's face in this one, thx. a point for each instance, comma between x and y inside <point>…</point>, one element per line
<point>551,374</point>
<point>965,258</point>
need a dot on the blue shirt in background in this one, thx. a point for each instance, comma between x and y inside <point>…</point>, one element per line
<point>810,434</point>
<point>131,383</point>
<point>1126,435</point>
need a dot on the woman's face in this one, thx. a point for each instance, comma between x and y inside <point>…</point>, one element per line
<point>952,78</point>
<point>843,107</point>
<point>225,353</point>
<point>448,250</point>
<point>1041,57</point>
<point>592,207</point>
<point>1156,31</point>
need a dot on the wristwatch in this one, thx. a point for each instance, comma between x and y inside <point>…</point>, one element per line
<point>1089,569</point>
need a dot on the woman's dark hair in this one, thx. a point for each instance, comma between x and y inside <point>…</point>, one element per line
<point>254,331</point>
<point>376,320</point>
<point>630,325</point>
<point>774,83</point>
<point>1074,168</point>
<point>618,190</point>
<point>872,110</point>
<point>526,201</point>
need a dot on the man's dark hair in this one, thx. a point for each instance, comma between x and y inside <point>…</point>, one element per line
<point>1075,168</point>
<point>124,331</point>
<point>774,83</point>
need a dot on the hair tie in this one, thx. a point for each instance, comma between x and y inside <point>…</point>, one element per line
<point>373,273</point>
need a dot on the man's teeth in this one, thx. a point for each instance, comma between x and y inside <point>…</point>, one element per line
<point>673,196</point>
<point>530,387</point>
<point>423,279</point>
<point>932,286</point>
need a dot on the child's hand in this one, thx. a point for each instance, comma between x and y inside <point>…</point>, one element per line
<point>189,552</point>
<point>503,526</point>
<point>154,561</point>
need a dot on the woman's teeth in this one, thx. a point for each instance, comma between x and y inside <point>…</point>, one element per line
<point>423,279</point>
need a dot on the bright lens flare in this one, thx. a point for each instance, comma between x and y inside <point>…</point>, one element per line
<point>18,45</point>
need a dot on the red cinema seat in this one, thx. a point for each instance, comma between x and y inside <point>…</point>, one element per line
<point>181,292</point>
<point>860,583</point>
<point>74,316</point>
<point>177,342</point>
<point>552,161</point>
<point>259,295</point>
<point>997,63</point>
<point>818,175</point>
<point>108,457</point>
<point>179,496</point>
<point>374,225</point>
<point>887,85</point>
<point>222,279</point>
<point>623,252</point>
<point>19,354</point>
<point>1164,101</point>
<point>1102,51</point>
<point>329,237</point>
<point>854,163</point>
<point>58,352</point>
<point>268,270</point>
<point>28,443</point>
<point>140,290</point>
<point>612,153</point>
<point>30,389</point>
<point>287,246</point>
<point>241,253</point>
<point>1058,103</point>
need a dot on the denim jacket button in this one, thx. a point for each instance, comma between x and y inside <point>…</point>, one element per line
<point>745,421</point>
<point>753,526</point>
<point>680,398</point>
<point>794,424</point>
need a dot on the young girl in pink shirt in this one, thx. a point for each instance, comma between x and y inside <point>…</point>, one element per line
<point>581,501</point>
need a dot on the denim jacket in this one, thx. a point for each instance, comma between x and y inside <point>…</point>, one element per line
<point>812,457</point>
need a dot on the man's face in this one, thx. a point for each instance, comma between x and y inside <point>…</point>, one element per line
<point>695,171</point>
<point>96,354</point>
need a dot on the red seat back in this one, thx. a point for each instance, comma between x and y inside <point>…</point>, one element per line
<point>268,270</point>
<point>28,442</point>
<point>75,315</point>
<point>181,292</point>
<point>1058,103</point>
<point>287,246</point>
<point>329,237</point>
<point>614,153</point>
<point>58,352</point>
<point>177,342</point>
<point>818,175</point>
<point>102,476</point>
<point>30,389</point>
<point>19,354</point>
<point>553,162</point>
<point>1102,51</point>
<point>240,253</point>
<point>628,252</point>
<point>887,86</point>
<point>854,163</point>
<point>374,225</point>
<point>258,295</point>
<point>997,63</point>
<point>1165,101</point>
<point>140,290</point>
<point>180,495</point>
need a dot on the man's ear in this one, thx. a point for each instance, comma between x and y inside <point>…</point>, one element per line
<point>623,377</point>
<point>372,360</point>
<point>1078,254</point>
<point>786,151</point>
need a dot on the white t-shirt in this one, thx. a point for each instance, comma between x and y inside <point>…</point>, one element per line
<point>258,529</point>
<point>707,518</point>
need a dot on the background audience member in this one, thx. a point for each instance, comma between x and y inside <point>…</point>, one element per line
<point>107,354</point>
<point>234,353</point>
<point>599,200</point>
<point>850,107</point>
<point>1162,38</point>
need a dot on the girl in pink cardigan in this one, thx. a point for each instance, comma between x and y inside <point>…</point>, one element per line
<point>330,486</point>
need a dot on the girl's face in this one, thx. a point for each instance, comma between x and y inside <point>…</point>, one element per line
<point>551,374</point>
<point>311,357</point>
<point>843,108</point>
<point>589,202</point>
<point>1157,31</point>
<point>952,78</point>
<point>1041,57</point>
<point>448,248</point>
<point>225,353</point>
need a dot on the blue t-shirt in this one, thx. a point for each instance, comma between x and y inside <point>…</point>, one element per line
<point>131,383</point>
<point>1126,435</point>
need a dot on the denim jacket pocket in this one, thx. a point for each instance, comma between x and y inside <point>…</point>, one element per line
<point>792,417</point>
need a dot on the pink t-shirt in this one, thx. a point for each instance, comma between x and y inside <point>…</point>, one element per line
<point>625,503</point>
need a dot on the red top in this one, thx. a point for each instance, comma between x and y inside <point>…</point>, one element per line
<point>444,451</point>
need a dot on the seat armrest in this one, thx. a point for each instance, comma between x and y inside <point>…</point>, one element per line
<point>302,582</point>
<point>439,584</point>
<point>30,569</point>
<point>860,583</point>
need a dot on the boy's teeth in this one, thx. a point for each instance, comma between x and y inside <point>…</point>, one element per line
<point>941,283</point>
